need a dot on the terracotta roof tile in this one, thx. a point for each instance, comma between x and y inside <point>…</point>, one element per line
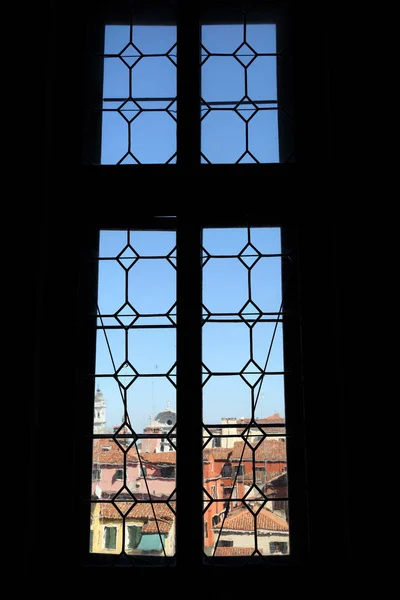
<point>159,457</point>
<point>274,419</point>
<point>164,526</point>
<point>108,452</point>
<point>271,476</point>
<point>243,520</point>
<point>263,423</point>
<point>141,510</point>
<point>269,449</point>
<point>233,551</point>
<point>218,453</point>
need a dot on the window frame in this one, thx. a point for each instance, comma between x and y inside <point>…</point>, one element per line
<point>189,331</point>
<point>65,127</point>
<point>188,20</point>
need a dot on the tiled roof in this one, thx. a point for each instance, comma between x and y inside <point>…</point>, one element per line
<point>164,526</point>
<point>142,510</point>
<point>269,449</point>
<point>218,453</point>
<point>108,452</point>
<point>273,419</point>
<point>263,423</point>
<point>270,476</point>
<point>159,457</point>
<point>233,551</point>
<point>242,519</point>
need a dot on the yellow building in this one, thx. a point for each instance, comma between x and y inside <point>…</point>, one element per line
<point>149,528</point>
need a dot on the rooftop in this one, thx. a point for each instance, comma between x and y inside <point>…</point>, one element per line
<point>242,519</point>
<point>268,450</point>
<point>141,510</point>
<point>233,551</point>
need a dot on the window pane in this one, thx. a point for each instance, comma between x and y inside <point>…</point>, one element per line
<point>244,457</point>
<point>139,95</point>
<point>134,431</point>
<point>239,105</point>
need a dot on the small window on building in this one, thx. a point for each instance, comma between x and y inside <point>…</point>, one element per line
<point>110,538</point>
<point>225,543</point>
<point>134,536</point>
<point>96,475</point>
<point>278,547</point>
<point>238,470</point>
<point>260,474</point>
<point>119,474</point>
<point>167,472</point>
<point>227,470</point>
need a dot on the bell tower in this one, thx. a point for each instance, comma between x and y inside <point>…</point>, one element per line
<point>99,421</point>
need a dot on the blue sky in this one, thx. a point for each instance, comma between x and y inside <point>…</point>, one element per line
<point>151,290</point>
<point>151,81</point>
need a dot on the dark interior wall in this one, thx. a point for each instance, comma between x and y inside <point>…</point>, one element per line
<point>329,286</point>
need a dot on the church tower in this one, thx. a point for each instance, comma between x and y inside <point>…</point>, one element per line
<point>99,422</point>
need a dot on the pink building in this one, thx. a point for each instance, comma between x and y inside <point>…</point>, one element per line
<point>151,474</point>
<point>109,468</point>
<point>158,473</point>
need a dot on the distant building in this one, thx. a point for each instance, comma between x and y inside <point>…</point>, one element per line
<point>124,471</point>
<point>99,421</point>
<point>238,530</point>
<point>252,431</point>
<point>161,425</point>
<point>149,529</point>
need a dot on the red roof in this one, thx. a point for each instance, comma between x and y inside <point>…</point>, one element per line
<point>242,519</point>
<point>269,477</point>
<point>274,419</point>
<point>141,510</point>
<point>161,526</point>
<point>268,450</point>
<point>159,457</point>
<point>218,453</point>
<point>108,452</point>
<point>233,551</point>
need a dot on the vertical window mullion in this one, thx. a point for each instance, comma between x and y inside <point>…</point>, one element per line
<point>93,90</point>
<point>188,84</point>
<point>294,402</point>
<point>189,521</point>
